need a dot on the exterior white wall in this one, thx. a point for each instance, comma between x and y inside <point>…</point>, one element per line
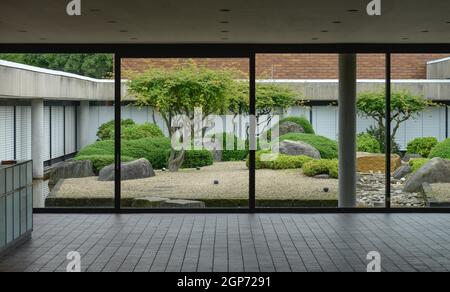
<point>430,123</point>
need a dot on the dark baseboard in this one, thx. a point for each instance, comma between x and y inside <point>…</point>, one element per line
<point>16,243</point>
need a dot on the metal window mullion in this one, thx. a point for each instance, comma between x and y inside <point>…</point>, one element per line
<point>388,146</point>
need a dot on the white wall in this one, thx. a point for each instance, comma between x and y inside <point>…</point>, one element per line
<point>430,123</point>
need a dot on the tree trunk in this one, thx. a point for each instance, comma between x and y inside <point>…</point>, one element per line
<point>176,160</point>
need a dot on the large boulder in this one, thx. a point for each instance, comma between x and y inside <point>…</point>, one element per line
<point>70,169</point>
<point>290,127</point>
<point>368,162</point>
<point>402,172</point>
<point>435,171</point>
<point>296,148</point>
<point>137,169</point>
<point>148,202</point>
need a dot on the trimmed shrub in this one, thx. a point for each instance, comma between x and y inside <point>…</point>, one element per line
<point>281,162</point>
<point>100,161</point>
<point>417,163</point>
<point>328,148</point>
<point>322,166</point>
<point>106,130</point>
<point>441,150</point>
<point>301,121</point>
<point>136,132</point>
<point>232,155</point>
<point>197,158</point>
<point>422,146</point>
<point>130,131</point>
<point>153,149</point>
<point>368,143</point>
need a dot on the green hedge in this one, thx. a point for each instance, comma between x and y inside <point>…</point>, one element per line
<point>130,131</point>
<point>417,163</point>
<point>368,143</point>
<point>328,148</point>
<point>304,123</point>
<point>322,166</point>
<point>441,150</point>
<point>197,158</point>
<point>282,161</point>
<point>136,132</point>
<point>422,146</point>
<point>100,161</point>
<point>153,149</point>
<point>106,130</point>
<point>232,155</point>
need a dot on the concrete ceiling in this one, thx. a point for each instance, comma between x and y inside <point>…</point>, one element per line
<point>248,21</point>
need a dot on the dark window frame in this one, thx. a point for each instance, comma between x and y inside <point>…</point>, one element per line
<point>228,51</point>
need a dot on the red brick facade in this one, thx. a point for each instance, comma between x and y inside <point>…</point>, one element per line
<point>304,66</point>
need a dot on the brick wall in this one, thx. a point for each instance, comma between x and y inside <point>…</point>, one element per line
<point>303,66</point>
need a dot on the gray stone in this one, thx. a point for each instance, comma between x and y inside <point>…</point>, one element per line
<point>182,204</point>
<point>69,169</point>
<point>427,190</point>
<point>322,176</point>
<point>295,148</point>
<point>408,157</point>
<point>290,127</point>
<point>148,202</point>
<point>402,172</point>
<point>435,171</point>
<point>137,169</point>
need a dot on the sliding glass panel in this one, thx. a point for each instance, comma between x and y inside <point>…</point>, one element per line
<point>51,113</point>
<point>370,124</point>
<point>420,99</point>
<point>184,133</point>
<point>296,105</point>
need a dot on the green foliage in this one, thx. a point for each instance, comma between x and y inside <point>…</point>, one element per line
<point>301,121</point>
<point>232,154</point>
<point>322,166</point>
<point>441,150</point>
<point>417,163</point>
<point>271,97</point>
<point>130,130</point>
<point>368,143</point>
<point>328,148</point>
<point>100,161</point>
<point>136,132</point>
<point>404,106</point>
<point>90,65</point>
<point>153,149</point>
<point>197,158</point>
<point>422,146</point>
<point>280,161</point>
<point>379,136</point>
<point>181,90</point>
<point>106,130</point>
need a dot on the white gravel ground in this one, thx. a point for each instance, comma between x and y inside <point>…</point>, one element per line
<point>199,184</point>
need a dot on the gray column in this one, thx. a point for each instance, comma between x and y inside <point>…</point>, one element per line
<point>347,130</point>
<point>84,123</point>
<point>37,137</point>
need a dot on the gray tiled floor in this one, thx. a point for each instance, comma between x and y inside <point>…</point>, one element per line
<point>236,242</point>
